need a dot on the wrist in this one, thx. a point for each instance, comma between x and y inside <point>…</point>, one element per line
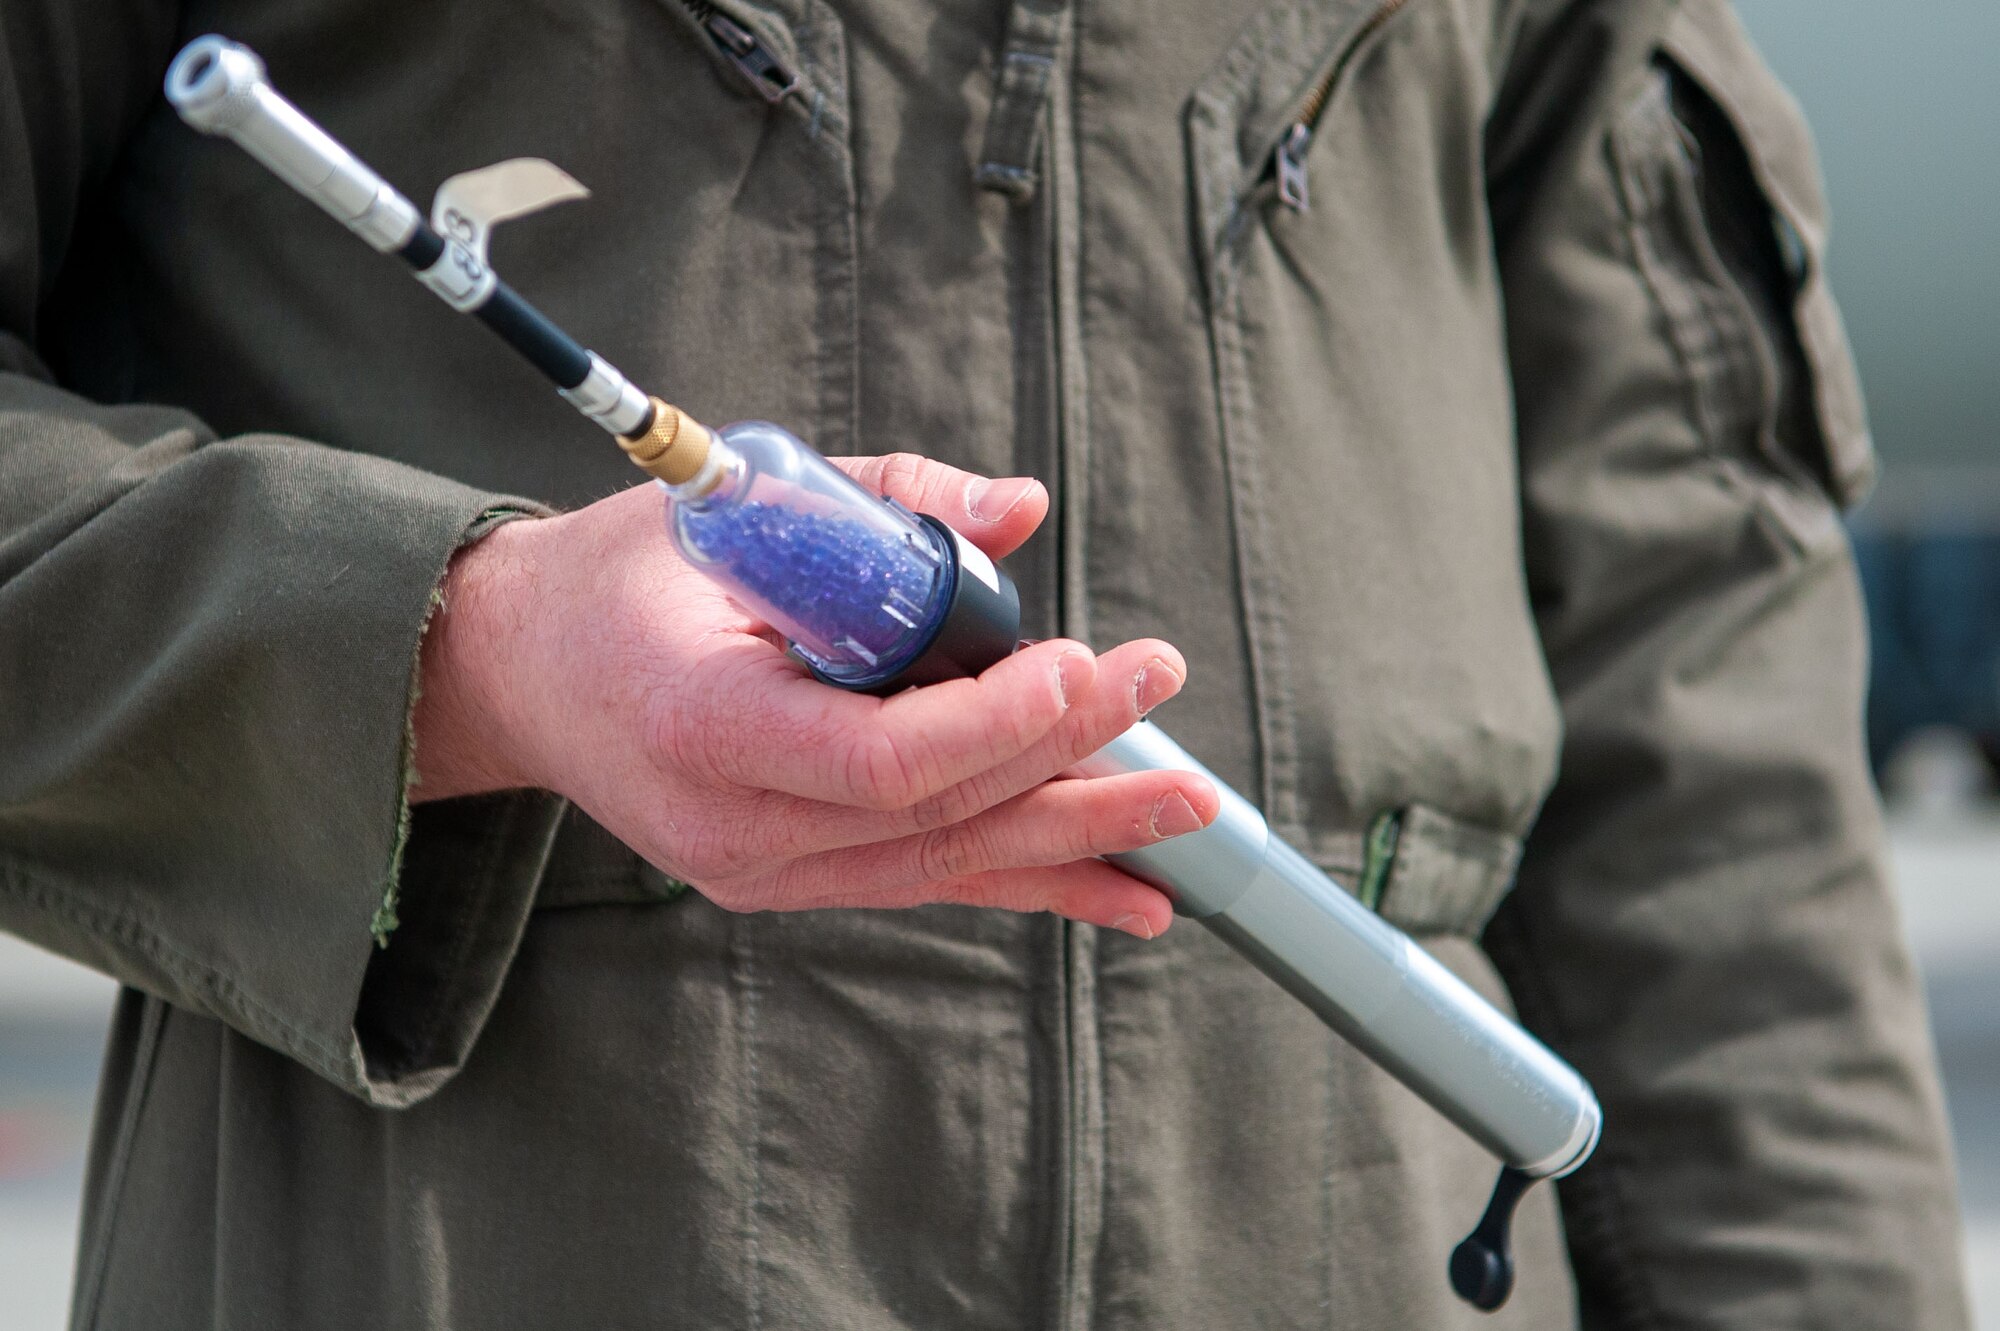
<point>465,724</point>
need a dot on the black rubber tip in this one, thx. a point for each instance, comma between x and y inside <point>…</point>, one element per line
<point>1479,1275</point>
<point>1482,1267</point>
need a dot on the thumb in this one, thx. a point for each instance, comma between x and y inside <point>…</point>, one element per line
<point>995,515</point>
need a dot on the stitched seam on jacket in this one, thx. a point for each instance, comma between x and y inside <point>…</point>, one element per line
<point>95,1264</point>
<point>1600,1180</point>
<point>1446,876</point>
<point>1068,107</point>
<point>1669,298</point>
<point>1064,107</point>
<point>1330,1144</point>
<point>1709,325</point>
<point>1603,1183</point>
<point>1016,119</point>
<point>753,1290</point>
<point>1095,1117</point>
<point>1270,643</point>
<point>1698,49</point>
<point>1221,332</point>
<point>836,255</point>
<point>228,996</point>
<point>1049,996</point>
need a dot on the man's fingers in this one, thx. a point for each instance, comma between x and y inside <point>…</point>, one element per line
<point>1089,891</point>
<point>1132,679</point>
<point>1055,823</point>
<point>996,514</point>
<point>790,733</point>
<point>770,826</point>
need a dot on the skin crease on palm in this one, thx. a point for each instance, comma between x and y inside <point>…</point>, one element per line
<point>582,654</point>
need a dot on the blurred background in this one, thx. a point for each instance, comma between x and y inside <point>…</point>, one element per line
<point>1906,104</point>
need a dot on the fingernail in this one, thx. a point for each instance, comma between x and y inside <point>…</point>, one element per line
<point>1155,683</point>
<point>1173,815</point>
<point>990,501</point>
<point>1134,925</point>
<point>1073,673</point>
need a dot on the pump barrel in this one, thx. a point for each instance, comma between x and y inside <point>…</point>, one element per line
<point>219,87</point>
<point>1363,977</point>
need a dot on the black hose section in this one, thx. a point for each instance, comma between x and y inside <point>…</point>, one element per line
<point>519,324</point>
<point>424,248</point>
<point>527,330</point>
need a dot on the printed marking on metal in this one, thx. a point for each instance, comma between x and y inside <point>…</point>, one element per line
<point>469,205</point>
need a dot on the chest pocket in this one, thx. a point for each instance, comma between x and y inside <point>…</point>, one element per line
<point>1366,420</point>
<point>1718,177</point>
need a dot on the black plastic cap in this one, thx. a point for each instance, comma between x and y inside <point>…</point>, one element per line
<point>980,627</point>
<point>1479,1275</point>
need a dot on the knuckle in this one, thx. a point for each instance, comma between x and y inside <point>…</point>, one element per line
<point>866,471</point>
<point>715,851</point>
<point>937,855</point>
<point>1081,837</point>
<point>788,884</point>
<point>1090,730</point>
<point>952,852</point>
<point>883,773</point>
<point>673,744</point>
<point>689,738</point>
<point>903,475</point>
<point>952,805</point>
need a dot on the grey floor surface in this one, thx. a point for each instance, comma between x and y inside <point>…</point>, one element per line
<point>52,1020</point>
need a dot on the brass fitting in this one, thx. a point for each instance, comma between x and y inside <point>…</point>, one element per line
<point>673,448</point>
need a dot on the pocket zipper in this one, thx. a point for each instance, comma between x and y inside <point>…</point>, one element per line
<point>1288,159</point>
<point>765,71</point>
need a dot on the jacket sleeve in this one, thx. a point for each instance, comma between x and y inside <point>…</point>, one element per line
<point>1702,921</point>
<point>207,657</point>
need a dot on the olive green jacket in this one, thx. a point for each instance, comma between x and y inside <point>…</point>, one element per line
<point>1454,381</point>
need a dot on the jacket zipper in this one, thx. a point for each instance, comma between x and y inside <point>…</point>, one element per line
<point>1288,160</point>
<point>767,74</point>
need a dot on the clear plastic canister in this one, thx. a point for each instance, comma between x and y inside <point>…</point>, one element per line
<point>858,585</point>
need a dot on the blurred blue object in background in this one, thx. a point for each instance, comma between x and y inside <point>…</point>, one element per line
<point>1934,629</point>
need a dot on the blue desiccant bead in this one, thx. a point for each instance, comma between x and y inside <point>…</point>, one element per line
<point>831,574</point>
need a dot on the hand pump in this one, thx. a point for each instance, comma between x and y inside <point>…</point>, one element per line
<point>874,597</point>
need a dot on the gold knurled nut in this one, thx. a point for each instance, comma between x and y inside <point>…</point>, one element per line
<point>673,448</point>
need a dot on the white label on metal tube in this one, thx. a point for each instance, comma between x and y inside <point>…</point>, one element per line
<point>974,560</point>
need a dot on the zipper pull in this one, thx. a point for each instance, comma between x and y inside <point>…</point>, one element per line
<point>771,79</point>
<point>1294,190</point>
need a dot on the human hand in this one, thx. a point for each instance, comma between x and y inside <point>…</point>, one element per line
<point>583,655</point>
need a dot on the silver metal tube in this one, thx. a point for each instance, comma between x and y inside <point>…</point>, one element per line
<point>218,86</point>
<point>1365,978</point>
